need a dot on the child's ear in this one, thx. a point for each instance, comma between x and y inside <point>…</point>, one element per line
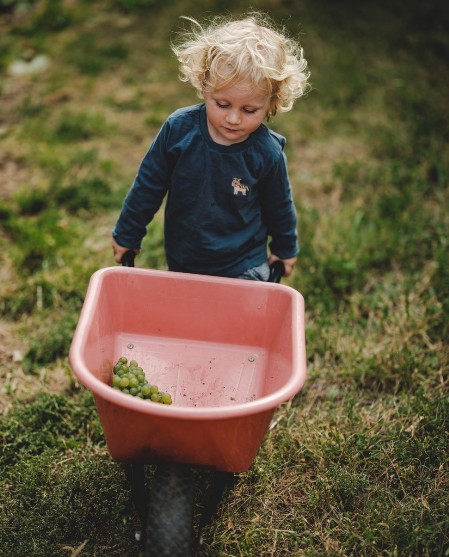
<point>202,90</point>
<point>271,111</point>
<point>204,81</point>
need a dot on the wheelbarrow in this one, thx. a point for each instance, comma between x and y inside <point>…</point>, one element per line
<point>228,351</point>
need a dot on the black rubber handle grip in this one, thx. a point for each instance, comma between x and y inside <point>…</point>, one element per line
<point>128,258</point>
<point>277,271</point>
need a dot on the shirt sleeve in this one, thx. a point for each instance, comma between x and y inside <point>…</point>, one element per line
<point>279,211</point>
<point>146,194</point>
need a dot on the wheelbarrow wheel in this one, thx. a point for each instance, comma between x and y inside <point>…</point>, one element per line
<point>170,512</point>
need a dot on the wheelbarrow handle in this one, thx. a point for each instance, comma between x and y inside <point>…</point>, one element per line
<point>128,258</point>
<point>277,271</point>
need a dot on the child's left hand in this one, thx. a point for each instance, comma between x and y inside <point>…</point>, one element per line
<point>288,263</point>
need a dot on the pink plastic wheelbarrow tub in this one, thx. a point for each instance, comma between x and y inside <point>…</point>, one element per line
<point>228,351</point>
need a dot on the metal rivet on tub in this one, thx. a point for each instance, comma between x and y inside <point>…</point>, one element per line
<point>251,358</point>
<point>130,345</point>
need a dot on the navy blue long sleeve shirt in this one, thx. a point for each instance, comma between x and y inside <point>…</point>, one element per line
<point>223,201</point>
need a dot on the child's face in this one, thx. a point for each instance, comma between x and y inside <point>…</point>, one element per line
<point>234,112</point>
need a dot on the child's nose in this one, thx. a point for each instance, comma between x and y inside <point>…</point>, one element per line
<point>233,117</point>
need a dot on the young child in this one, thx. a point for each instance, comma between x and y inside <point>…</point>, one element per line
<point>223,171</point>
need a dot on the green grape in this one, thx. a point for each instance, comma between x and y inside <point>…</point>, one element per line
<point>124,382</point>
<point>145,390</point>
<point>130,378</point>
<point>166,398</point>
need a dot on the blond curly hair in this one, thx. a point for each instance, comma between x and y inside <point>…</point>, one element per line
<point>226,52</point>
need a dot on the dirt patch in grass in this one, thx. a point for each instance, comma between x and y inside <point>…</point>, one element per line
<point>314,163</point>
<point>17,385</point>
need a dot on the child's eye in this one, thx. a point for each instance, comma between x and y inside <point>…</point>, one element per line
<point>250,110</point>
<point>222,105</point>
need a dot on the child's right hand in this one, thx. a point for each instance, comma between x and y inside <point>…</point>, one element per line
<point>119,251</point>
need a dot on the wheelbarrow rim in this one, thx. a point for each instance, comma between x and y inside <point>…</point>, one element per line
<point>105,391</point>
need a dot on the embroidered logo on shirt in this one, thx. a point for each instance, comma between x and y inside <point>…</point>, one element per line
<point>239,187</point>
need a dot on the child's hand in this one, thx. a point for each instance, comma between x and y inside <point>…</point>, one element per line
<point>288,263</point>
<point>119,251</point>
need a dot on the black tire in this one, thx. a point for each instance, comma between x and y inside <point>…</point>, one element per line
<point>170,512</point>
<point>221,483</point>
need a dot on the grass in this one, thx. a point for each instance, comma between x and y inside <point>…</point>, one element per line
<point>357,464</point>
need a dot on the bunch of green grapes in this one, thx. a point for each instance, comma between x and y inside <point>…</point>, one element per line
<point>130,378</point>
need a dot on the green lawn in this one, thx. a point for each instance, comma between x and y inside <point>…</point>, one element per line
<point>358,463</point>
